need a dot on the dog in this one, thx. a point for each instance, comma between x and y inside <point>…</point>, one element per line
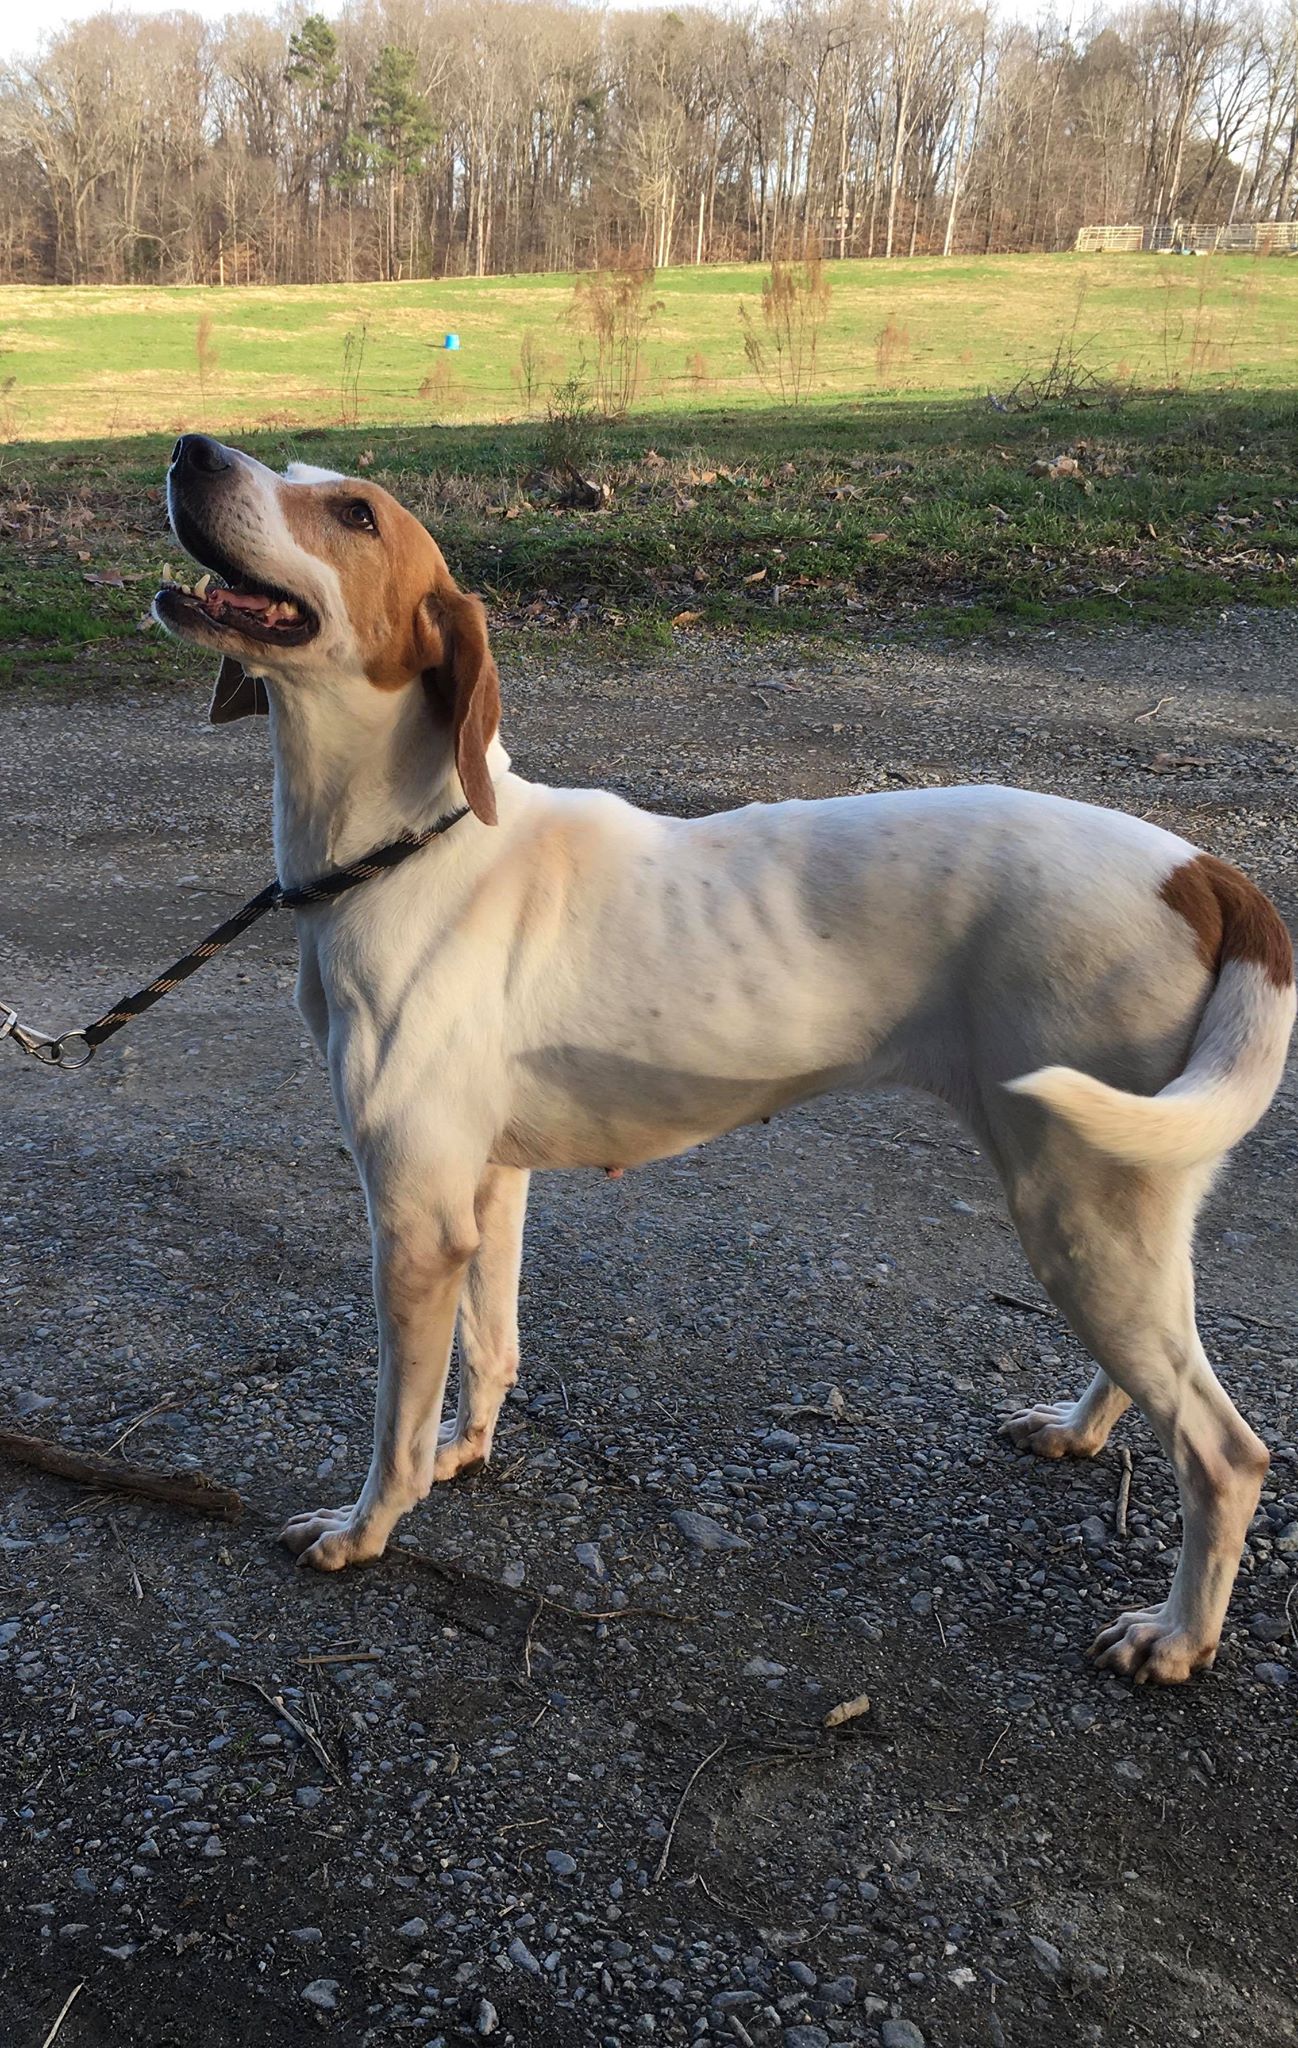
<point>562,980</point>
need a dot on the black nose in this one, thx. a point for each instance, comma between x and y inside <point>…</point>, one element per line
<point>196,451</point>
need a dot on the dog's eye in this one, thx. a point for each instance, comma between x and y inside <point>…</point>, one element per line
<point>356,512</point>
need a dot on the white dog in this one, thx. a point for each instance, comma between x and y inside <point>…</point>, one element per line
<point>562,980</point>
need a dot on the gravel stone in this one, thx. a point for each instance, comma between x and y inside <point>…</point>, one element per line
<point>1276,1675</point>
<point>901,2034</point>
<point>704,1533</point>
<point>761,1336</point>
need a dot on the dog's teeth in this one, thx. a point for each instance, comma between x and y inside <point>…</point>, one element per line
<point>202,585</point>
<point>168,573</point>
<point>288,610</point>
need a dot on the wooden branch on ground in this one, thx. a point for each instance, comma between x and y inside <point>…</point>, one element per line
<point>193,1491</point>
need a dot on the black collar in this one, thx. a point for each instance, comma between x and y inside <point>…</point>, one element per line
<point>338,881</point>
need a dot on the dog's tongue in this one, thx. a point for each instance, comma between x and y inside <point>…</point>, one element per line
<point>246,600</point>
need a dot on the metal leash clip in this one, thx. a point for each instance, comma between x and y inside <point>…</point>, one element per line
<point>72,1050</point>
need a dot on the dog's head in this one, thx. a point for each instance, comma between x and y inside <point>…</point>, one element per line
<point>317,580</point>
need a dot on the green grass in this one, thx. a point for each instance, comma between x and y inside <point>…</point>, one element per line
<point>841,520</point>
<point>912,504</point>
<point>120,360</point>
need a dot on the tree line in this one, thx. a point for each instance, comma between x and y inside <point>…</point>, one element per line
<point>422,137</point>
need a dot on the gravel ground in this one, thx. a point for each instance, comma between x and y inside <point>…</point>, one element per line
<point>755,1433</point>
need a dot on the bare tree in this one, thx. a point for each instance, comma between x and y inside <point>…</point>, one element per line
<point>414,137</point>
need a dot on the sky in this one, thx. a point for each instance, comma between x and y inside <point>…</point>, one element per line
<point>24,22</point>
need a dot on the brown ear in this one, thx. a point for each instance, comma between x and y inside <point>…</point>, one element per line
<point>236,695</point>
<point>465,687</point>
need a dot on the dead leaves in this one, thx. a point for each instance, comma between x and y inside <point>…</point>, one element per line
<point>848,1710</point>
<point>1173,764</point>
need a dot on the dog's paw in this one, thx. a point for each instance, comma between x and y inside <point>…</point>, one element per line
<point>1151,1647</point>
<point>457,1454</point>
<point>1051,1430</point>
<point>329,1539</point>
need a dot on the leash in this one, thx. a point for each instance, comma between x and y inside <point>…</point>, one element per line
<point>77,1048</point>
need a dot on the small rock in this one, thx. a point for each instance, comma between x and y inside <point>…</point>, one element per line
<point>308,1795</point>
<point>308,1936</point>
<point>762,1667</point>
<point>1287,1541</point>
<point>1046,1955</point>
<point>522,1958</point>
<point>513,1575</point>
<point>901,2034</point>
<point>413,1930</point>
<point>705,1534</point>
<point>561,1863</point>
<point>807,2037</point>
<point>28,1402</point>
<point>1094,1532</point>
<point>487,2018</point>
<point>588,1557</point>
<point>1267,1628</point>
<point>838,1991</point>
<point>1278,1675</point>
<point>322,1992</point>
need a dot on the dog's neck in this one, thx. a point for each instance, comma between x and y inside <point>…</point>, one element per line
<point>355,770</point>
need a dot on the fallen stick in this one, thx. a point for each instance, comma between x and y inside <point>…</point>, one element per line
<point>275,1702</point>
<point>1142,716</point>
<point>344,1657</point>
<point>66,2008</point>
<point>193,1491</point>
<point>1031,1308</point>
<point>1124,1492</point>
<point>694,1776</point>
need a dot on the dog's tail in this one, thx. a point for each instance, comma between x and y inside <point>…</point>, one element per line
<point>1238,1052</point>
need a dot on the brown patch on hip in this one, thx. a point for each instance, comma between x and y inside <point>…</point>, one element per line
<point>1230,917</point>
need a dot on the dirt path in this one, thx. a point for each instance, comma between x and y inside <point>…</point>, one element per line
<point>1008,1849</point>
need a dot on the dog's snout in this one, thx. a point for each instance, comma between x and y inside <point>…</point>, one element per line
<point>199,452</point>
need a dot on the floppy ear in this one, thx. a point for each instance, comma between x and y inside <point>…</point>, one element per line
<point>236,695</point>
<point>463,684</point>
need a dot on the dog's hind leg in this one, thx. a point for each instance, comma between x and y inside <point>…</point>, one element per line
<point>1111,1245</point>
<point>488,1326</point>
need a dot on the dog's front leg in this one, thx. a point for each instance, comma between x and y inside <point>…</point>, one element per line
<point>488,1329</point>
<point>422,1247</point>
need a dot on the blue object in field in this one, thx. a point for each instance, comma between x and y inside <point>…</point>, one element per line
<point>451,341</point>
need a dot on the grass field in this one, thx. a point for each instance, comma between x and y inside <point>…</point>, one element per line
<point>898,497</point>
<point>117,361</point>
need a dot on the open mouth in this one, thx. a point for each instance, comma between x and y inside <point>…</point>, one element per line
<point>257,611</point>
<point>226,599</point>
